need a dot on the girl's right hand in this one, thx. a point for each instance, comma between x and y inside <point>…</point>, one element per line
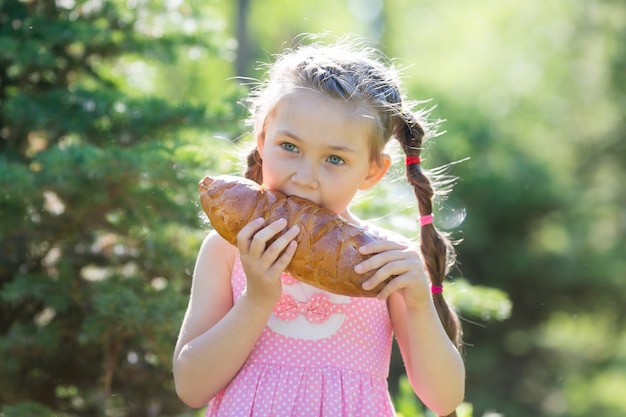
<point>264,264</point>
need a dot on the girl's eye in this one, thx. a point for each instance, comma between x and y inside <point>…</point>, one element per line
<point>289,147</point>
<point>335,160</point>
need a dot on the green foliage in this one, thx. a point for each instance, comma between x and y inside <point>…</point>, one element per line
<point>28,409</point>
<point>98,211</point>
<point>483,303</point>
<point>534,96</point>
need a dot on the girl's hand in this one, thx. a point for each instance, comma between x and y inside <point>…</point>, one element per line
<point>401,265</point>
<point>264,264</point>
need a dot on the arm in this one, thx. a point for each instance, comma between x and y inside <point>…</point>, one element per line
<point>433,364</point>
<point>217,336</point>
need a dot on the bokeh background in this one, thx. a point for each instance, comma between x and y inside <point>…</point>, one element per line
<point>111,111</point>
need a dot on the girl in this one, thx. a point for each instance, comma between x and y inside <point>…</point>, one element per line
<point>249,345</point>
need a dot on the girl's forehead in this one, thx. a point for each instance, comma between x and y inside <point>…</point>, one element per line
<point>306,113</point>
<point>314,102</point>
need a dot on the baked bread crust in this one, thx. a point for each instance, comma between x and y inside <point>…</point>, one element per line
<point>328,246</point>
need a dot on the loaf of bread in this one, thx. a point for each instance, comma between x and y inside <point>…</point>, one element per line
<point>328,246</point>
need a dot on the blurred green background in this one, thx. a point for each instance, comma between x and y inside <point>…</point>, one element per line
<point>111,111</point>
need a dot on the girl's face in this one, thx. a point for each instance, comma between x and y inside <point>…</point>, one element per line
<point>318,148</point>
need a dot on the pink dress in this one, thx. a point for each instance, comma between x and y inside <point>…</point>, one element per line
<point>320,354</point>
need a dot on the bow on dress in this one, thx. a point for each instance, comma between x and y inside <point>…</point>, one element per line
<point>317,310</point>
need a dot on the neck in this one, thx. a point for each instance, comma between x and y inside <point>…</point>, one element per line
<point>350,218</point>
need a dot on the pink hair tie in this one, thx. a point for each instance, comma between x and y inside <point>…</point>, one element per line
<point>436,289</point>
<point>424,220</point>
<point>410,160</point>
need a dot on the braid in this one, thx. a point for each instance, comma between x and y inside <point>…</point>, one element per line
<point>436,248</point>
<point>253,171</point>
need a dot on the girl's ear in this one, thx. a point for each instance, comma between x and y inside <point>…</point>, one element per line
<point>260,139</point>
<point>376,172</point>
<point>260,132</point>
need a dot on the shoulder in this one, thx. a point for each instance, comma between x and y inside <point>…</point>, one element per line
<point>214,265</point>
<point>216,248</point>
<point>386,233</point>
<point>211,294</point>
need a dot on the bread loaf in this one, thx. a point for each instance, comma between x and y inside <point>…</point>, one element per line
<point>328,246</point>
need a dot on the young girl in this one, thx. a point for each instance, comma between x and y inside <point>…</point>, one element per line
<point>253,341</point>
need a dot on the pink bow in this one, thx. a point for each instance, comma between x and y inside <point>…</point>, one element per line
<point>317,310</point>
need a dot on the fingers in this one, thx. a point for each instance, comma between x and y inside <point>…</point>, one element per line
<point>383,252</point>
<point>280,252</point>
<point>254,241</point>
<point>244,237</point>
<point>262,236</point>
<point>265,251</point>
<point>401,266</point>
<point>283,261</point>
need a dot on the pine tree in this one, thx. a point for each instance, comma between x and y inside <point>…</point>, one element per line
<point>96,213</point>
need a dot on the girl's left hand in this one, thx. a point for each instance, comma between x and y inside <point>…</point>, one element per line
<point>401,265</point>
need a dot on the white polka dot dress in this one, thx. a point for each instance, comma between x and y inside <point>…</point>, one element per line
<point>320,354</point>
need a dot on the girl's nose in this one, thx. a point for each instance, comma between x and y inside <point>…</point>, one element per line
<point>304,176</point>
